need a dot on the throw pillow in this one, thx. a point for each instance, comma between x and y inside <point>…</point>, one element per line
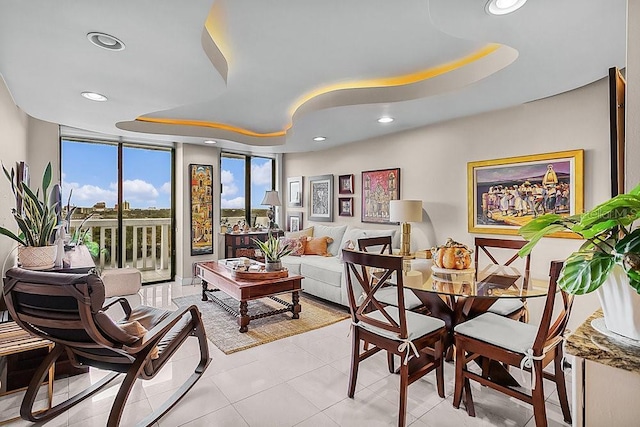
<point>349,244</point>
<point>334,231</point>
<point>136,329</point>
<point>318,246</point>
<point>307,232</point>
<point>296,244</point>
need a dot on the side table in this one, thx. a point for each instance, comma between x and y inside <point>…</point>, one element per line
<point>13,340</point>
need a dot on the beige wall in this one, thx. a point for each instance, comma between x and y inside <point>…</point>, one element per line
<point>433,162</point>
<point>13,146</point>
<point>187,154</point>
<point>633,95</point>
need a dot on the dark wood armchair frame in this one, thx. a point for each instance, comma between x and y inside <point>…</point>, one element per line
<point>429,346</point>
<point>32,298</point>
<point>485,244</point>
<point>548,343</point>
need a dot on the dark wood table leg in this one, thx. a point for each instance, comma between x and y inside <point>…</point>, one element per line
<point>295,307</point>
<point>204,289</point>
<point>243,319</point>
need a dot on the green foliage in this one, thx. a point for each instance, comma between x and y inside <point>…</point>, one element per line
<point>610,240</point>
<point>272,248</point>
<point>38,220</point>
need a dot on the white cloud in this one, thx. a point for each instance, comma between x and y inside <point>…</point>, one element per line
<point>237,203</point>
<point>261,175</point>
<point>229,187</point>
<point>139,192</point>
<point>166,188</point>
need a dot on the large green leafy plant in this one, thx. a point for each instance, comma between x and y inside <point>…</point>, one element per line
<point>37,219</point>
<point>610,240</point>
<point>272,248</point>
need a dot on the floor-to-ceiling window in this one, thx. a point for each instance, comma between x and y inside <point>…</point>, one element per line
<point>244,182</point>
<point>123,195</point>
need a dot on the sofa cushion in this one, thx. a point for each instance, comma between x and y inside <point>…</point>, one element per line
<point>292,263</point>
<point>307,232</point>
<point>318,246</point>
<point>295,244</point>
<point>351,234</point>
<point>335,232</point>
<point>328,270</point>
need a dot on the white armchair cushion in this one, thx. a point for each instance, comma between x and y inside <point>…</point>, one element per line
<point>506,306</point>
<point>500,331</point>
<point>418,325</point>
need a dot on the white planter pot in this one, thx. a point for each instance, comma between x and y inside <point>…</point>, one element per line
<point>620,304</point>
<point>37,257</point>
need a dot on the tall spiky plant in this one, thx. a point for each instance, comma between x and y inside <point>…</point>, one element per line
<point>37,220</point>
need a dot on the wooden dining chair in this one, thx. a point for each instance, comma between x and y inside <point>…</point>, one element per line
<point>69,310</point>
<point>493,337</point>
<point>417,339</point>
<point>388,294</point>
<point>495,250</point>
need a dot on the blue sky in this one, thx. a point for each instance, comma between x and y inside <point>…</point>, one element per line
<point>91,171</point>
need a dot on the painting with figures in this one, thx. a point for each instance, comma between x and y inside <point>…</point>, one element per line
<point>505,194</point>
<point>378,188</point>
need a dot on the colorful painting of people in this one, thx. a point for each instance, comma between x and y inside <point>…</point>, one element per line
<point>508,193</point>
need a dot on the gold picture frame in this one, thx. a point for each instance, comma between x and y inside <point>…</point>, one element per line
<point>504,194</point>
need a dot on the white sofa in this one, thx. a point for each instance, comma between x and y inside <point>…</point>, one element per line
<point>324,276</point>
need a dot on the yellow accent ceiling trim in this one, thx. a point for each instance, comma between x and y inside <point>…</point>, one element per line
<point>370,83</point>
<point>221,126</point>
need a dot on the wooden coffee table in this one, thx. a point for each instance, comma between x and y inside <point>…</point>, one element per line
<point>222,279</point>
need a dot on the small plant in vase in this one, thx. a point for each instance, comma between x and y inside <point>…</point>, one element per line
<point>608,262</point>
<point>273,250</point>
<point>37,221</point>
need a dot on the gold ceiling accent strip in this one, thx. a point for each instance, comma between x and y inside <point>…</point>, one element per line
<point>222,126</point>
<point>369,83</point>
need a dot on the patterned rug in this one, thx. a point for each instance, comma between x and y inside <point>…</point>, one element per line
<point>222,327</point>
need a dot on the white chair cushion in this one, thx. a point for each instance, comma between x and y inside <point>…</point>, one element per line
<point>418,325</point>
<point>389,295</point>
<point>499,331</point>
<point>506,306</point>
<point>121,281</point>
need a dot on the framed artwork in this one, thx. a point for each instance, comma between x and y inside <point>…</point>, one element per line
<point>505,194</point>
<point>201,209</point>
<point>345,206</point>
<point>378,188</point>
<point>345,184</point>
<point>294,221</point>
<point>321,197</point>
<point>294,192</point>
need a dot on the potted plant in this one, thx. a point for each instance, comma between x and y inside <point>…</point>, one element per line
<point>608,262</point>
<point>37,221</point>
<point>273,250</point>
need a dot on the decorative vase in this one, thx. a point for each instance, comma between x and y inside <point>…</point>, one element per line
<point>273,265</point>
<point>37,257</point>
<point>620,304</point>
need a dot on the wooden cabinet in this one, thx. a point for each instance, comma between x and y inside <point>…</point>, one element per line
<point>242,244</point>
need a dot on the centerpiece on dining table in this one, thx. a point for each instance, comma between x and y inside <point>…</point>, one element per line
<point>452,263</point>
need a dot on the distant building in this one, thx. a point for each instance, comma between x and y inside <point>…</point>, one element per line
<point>100,207</point>
<point>126,206</point>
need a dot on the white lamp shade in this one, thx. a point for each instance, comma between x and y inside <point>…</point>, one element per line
<point>405,210</point>
<point>271,198</point>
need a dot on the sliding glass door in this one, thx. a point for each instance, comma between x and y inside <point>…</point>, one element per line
<point>124,199</point>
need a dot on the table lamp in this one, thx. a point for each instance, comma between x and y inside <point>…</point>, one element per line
<point>271,199</point>
<point>405,211</point>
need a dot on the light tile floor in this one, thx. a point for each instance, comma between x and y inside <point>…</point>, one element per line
<point>296,381</point>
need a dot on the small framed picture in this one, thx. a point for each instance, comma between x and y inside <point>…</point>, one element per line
<point>294,192</point>
<point>294,221</point>
<point>345,206</point>
<point>345,184</point>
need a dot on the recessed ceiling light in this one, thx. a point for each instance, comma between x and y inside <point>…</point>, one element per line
<point>502,7</point>
<point>210,141</point>
<point>94,96</point>
<point>385,119</point>
<point>320,138</point>
<point>105,41</point>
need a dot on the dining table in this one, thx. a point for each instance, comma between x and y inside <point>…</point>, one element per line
<point>459,295</point>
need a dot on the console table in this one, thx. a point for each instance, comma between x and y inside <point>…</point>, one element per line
<point>235,241</point>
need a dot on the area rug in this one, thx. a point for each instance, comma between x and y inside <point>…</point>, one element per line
<point>222,327</point>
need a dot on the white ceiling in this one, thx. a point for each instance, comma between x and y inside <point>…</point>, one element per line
<point>246,70</point>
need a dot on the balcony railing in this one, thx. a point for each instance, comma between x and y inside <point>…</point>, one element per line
<point>147,243</point>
